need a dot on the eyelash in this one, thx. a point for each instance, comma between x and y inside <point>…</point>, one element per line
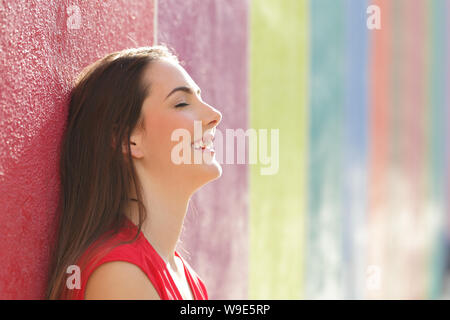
<point>181,105</point>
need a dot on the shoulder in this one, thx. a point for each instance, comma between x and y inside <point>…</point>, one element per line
<point>119,280</point>
<point>118,273</point>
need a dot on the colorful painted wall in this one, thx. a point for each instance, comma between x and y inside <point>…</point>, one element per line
<point>359,204</point>
<point>43,45</point>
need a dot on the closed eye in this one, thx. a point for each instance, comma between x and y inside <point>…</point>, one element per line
<point>181,105</point>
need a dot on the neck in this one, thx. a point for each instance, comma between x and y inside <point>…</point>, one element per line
<point>166,206</point>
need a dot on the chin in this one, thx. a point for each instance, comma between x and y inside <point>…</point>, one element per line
<point>204,173</point>
<point>210,171</point>
<point>217,169</point>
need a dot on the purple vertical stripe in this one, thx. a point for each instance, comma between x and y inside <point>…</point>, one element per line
<point>212,40</point>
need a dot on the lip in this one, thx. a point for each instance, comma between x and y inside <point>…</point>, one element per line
<point>208,138</point>
<point>204,148</point>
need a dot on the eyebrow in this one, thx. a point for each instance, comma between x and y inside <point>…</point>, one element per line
<point>185,89</point>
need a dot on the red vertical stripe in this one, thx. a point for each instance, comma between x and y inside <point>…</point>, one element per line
<point>379,109</point>
<point>43,45</point>
<point>379,66</point>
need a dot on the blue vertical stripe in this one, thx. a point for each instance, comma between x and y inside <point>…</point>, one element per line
<point>355,128</point>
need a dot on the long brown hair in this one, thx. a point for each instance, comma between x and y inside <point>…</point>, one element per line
<point>96,177</point>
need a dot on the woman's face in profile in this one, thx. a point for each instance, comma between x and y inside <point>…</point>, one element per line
<point>174,103</point>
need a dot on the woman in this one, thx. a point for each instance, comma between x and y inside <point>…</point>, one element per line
<point>124,192</point>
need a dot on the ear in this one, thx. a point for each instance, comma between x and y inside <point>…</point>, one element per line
<point>135,146</point>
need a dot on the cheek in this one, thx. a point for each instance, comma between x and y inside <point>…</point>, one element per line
<point>161,126</point>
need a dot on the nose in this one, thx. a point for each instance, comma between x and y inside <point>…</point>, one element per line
<point>212,116</point>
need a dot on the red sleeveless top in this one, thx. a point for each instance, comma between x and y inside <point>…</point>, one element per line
<point>141,253</point>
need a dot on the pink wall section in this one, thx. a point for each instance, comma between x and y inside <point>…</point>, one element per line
<point>39,55</point>
<point>216,227</point>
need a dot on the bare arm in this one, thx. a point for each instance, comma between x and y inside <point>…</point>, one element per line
<point>120,280</point>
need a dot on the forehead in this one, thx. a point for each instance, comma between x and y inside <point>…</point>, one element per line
<point>164,75</point>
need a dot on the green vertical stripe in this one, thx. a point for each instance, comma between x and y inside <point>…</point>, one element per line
<point>326,110</point>
<point>278,100</point>
<point>436,139</point>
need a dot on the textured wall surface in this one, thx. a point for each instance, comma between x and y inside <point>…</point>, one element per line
<point>355,153</point>
<point>279,95</point>
<point>359,207</point>
<point>42,46</point>
<point>377,208</point>
<point>325,149</point>
<point>337,149</point>
<point>437,159</point>
<point>212,40</point>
